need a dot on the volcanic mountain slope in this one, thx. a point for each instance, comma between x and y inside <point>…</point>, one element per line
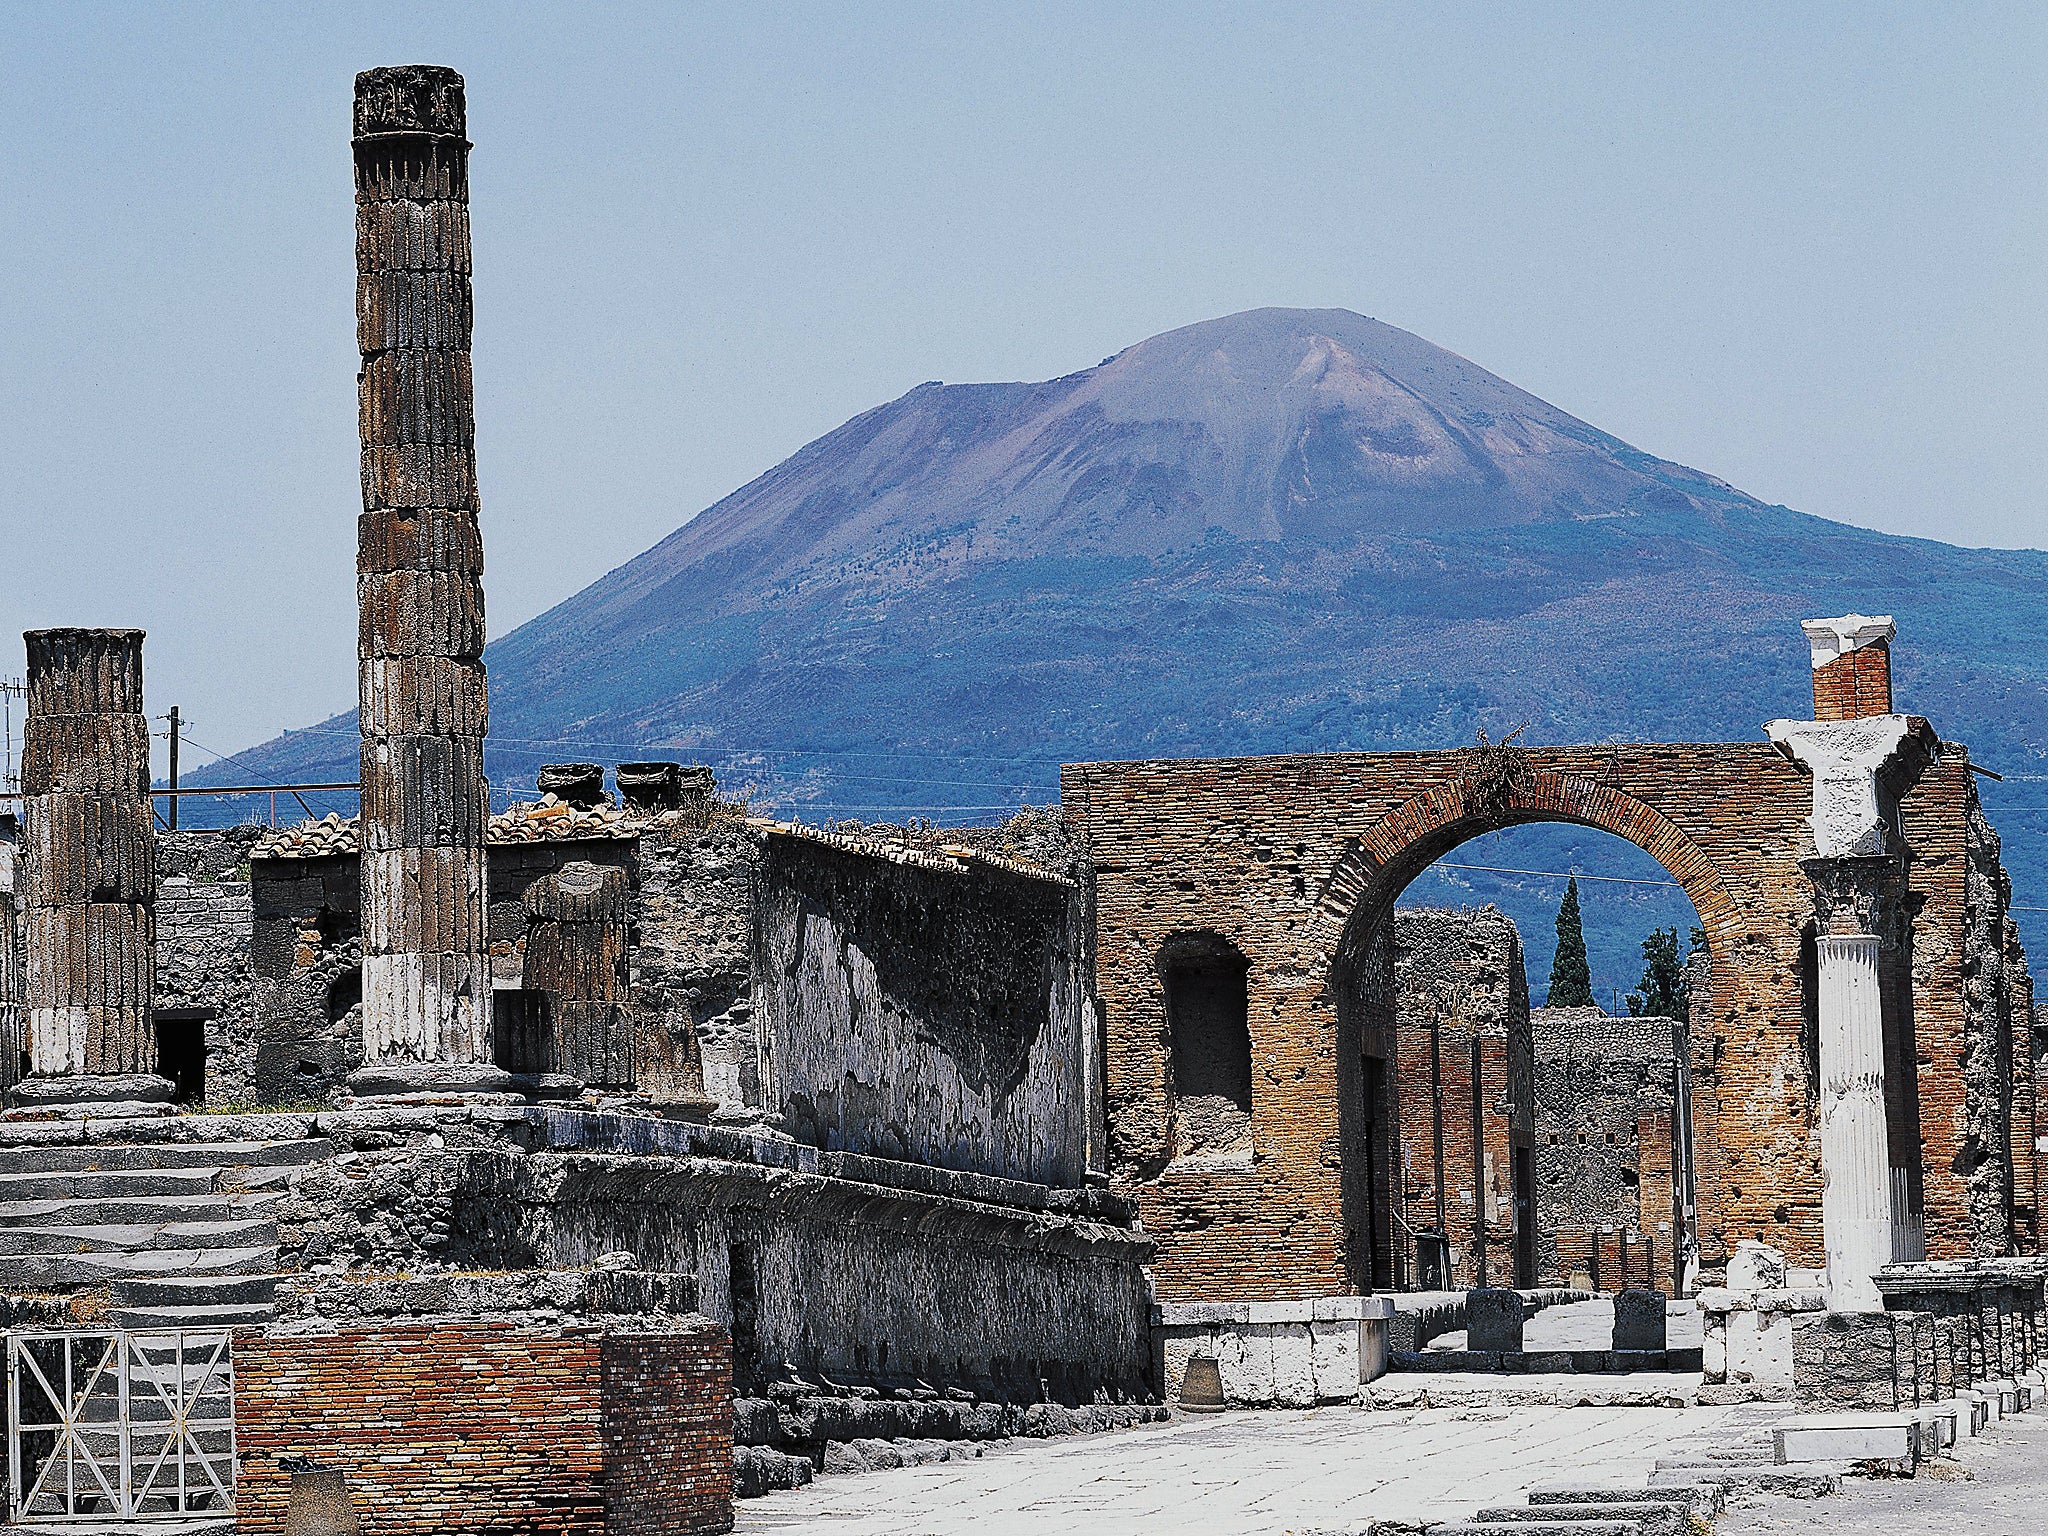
<point>1284,530</point>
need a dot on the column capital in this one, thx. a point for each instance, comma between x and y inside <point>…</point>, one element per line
<point>1858,767</point>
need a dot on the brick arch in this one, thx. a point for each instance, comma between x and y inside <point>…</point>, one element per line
<point>1377,866</point>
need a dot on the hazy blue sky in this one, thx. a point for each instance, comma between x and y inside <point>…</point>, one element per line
<point>1803,252</point>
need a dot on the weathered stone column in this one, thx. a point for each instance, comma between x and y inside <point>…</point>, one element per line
<point>1859,762</point>
<point>425,804</point>
<point>1856,1201</point>
<point>89,872</point>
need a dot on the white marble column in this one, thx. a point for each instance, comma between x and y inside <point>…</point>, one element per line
<point>1856,1202</point>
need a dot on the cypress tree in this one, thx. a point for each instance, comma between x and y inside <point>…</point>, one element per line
<point>1571,978</point>
<point>1661,994</point>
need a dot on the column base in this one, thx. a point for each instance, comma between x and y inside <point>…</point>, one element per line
<point>113,1096</point>
<point>431,1081</point>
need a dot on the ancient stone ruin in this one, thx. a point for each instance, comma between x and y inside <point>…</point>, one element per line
<point>636,1149</point>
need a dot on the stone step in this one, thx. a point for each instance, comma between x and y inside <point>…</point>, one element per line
<point>184,1290</point>
<point>49,1272</point>
<point>1652,1517</point>
<point>116,1183</point>
<point>229,1205</point>
<point>104,1157</point>
<point>226,1315</point>
<point>247,1232</point>
<point>1538,1528</point>
<point>1804,1483</point>
<point>1704,1499</point>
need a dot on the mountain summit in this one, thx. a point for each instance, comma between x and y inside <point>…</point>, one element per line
<point>1283,530</point>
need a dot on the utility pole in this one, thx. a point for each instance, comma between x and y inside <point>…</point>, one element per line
<point>10,689</point>
<point>171,820</point>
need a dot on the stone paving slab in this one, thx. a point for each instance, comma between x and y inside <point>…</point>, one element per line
<point>1247,1473</point>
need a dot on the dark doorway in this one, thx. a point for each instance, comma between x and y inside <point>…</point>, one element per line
<point>519,1032</point>
<point>181,1051</point>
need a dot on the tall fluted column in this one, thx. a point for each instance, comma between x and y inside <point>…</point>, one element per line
<point>89,871</point>
<point>425,805</point>
<point>1855,1149</point>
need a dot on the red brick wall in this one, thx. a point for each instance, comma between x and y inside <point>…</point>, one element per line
<point>668,1432</point>
<point>490,1427</point>
<point>1855,685</point>
<point>1465,1200</point>
<point>1282,855</point>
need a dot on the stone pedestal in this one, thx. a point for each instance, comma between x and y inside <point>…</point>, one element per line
<point>1856,1203</point>
<point>1493,1321</point>
<point>1639,1320</point>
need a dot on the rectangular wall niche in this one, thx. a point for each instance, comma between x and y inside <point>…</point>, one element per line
<point>1207,1015</point>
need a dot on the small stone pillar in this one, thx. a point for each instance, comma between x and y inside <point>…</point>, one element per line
<point>425,804</point>
<point>89,876</point>
<point>1493,1321</point>
<point>576,955</point>
<point>1639,1320</point>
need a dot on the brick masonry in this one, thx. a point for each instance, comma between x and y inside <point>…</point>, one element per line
<point>1297,860</point>
<point>492,1427</point>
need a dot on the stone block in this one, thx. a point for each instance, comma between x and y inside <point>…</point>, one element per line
<point>1860,1437</point>
<point>1334,1352</point>
<point>1639,1320</point>
<point>1758,1348</point>
<point>1493,1320</point>
<point>1181,1314</point>
<point>1293,1357</point>
<point>1244,1358</point>
<point>1281,1312</point>
<point>1755,1267</point>
<point>1334,1309</point>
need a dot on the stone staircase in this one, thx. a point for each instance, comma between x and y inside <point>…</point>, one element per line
<point>179,1234</point>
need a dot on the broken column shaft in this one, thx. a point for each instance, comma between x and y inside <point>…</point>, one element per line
<point>576,957</point>
<point>88,893</point>
<point>425,804</point>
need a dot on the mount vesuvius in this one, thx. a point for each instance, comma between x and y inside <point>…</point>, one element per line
<point>1284,530</point>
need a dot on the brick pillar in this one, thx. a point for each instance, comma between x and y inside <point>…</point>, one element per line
<point>89,872</point>
<point>576,955</point>
<point>425,805</point>
<point>1852,666</point>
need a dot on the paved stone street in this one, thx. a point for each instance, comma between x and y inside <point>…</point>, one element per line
<point>1243,1474</point>
<point>1996,1486</point>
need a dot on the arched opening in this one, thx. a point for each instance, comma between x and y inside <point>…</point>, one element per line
<point>1489,1139</point>
<point>1204,978</point>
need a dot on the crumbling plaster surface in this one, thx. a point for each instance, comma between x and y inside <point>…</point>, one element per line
<point>909,1012</point>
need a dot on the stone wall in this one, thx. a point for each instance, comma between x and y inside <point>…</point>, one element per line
<point>923,1009</point>
<point>1604,1096</point>
<point>478,1425</point>
<point>829,1266</point>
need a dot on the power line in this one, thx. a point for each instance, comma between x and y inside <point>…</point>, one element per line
<point>1557,874</point>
